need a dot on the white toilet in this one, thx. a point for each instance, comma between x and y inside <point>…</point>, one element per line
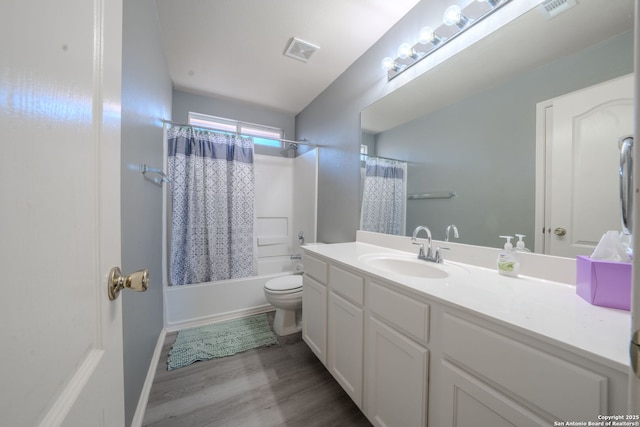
<point>285,294</point>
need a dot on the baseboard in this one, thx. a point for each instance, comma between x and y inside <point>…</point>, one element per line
<point>138,417</point>
<point>192,323</point>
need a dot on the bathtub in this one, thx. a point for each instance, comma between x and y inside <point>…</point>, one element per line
<point>193,305</point>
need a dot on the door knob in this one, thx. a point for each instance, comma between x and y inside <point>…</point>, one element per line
<point>138,281</point>
<point>560,231</point>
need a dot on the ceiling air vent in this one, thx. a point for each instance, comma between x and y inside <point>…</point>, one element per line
<point>552,8</point>
<point>300,50</point>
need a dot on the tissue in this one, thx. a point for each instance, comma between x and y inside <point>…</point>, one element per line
<point>613,246</point>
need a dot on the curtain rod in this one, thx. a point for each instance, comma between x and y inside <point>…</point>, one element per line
<point>302,142</point>
<point>382,157</point>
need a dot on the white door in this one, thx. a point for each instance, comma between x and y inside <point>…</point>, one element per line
<point>60,71</point>
<point>582,164</point>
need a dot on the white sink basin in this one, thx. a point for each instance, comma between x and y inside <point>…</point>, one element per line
<point>408,266</point>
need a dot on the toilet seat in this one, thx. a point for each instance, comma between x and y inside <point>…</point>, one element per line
<point>284,284</point>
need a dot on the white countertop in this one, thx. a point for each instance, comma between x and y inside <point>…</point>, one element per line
<point>547,310</point>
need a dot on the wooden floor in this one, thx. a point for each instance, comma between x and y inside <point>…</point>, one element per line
<point>281,385</point>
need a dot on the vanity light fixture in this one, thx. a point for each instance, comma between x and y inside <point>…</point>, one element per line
<point>455,20</point>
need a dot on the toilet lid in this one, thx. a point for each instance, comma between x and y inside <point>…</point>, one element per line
<point>284,283</point>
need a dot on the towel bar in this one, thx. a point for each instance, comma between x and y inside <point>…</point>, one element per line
<point>163,177</point>
<point>436,195</point>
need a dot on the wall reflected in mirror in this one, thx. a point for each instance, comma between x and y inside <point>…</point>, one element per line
<point>468,126</point>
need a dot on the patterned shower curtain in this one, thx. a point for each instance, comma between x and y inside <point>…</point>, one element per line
<point>384,196</point>
<point>213,206</point>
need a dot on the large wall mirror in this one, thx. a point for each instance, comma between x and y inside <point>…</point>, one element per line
<point>468,126</point>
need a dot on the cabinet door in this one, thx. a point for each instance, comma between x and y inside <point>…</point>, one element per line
<point>396,377</point>
<point>314,317</point>
<point>345,345</point>
<point>540,380</point>
<point>469,402</point>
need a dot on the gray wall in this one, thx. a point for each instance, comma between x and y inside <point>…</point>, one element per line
<point>483,147</point>
<point>146,98</point>
<point>333,120</point>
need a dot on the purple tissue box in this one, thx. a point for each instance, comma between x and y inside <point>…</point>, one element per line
<point>604,283</point>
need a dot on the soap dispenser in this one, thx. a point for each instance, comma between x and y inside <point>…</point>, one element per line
<point>508,262</point>
<point>520,244</point>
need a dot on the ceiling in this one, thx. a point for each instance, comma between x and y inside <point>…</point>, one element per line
<point>235,48</point>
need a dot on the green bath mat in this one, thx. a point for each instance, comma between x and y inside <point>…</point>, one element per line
<point>220,340</point>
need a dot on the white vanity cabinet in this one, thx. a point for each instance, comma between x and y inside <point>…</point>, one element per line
<point>494,376</point>
<point>410,358</point>
<point>345,335</point>
<point>396,358</point>
<point>392,344</point>
<point>333,321</point>
<point>314,306</point>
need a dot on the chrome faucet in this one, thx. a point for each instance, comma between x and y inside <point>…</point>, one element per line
<point>421,255</point>
<point>456,235</point>
<point>430,255</point>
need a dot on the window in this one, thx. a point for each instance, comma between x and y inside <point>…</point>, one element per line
<point>363,152</point>
<point>262,135</point>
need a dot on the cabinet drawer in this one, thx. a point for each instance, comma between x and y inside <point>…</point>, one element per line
<point>349,285</point>
<point>562,389</point>
<point>406,314</point>
<point>315,268</point>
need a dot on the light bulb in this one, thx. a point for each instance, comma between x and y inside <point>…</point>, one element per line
<point>405,50</point>
<point>428,35</point>
<point>389,64</point>
<point>453,16</point>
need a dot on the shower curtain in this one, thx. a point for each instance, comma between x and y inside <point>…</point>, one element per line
<point>213,206</point>
<point>384,196</point>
